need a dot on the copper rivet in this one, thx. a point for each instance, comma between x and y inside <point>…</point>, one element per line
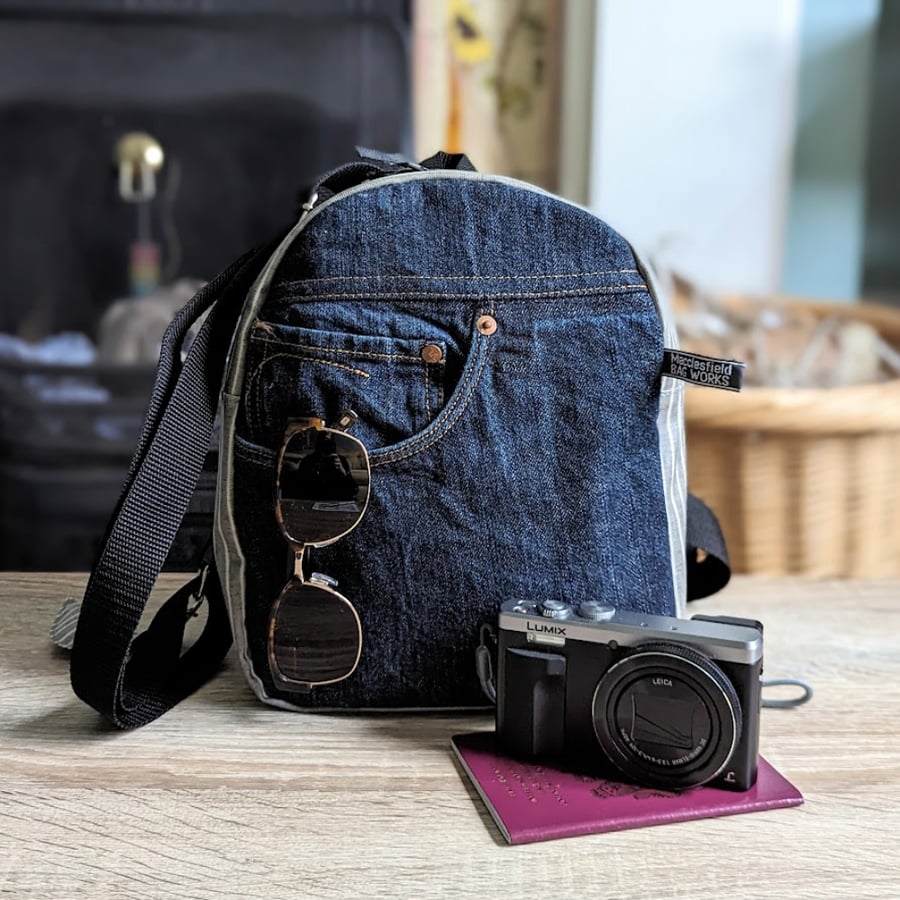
<point>486,324</point>
<point>432,353</point>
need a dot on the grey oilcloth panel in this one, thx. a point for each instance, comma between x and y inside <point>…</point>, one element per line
<point>229,556</point>
<point>672,446</point>
<point>228,551</point>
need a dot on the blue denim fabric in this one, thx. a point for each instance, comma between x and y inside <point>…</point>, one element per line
<point>525,463</point>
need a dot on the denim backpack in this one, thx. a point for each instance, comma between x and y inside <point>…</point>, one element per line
<point>504,351</point>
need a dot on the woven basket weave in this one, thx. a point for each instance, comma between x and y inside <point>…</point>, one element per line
<point>804,481</point>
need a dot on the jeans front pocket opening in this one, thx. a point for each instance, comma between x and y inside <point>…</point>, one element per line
<point>255,401</point>
<point>301,371</point>
<point>434,390</point>
<point>451,412</point>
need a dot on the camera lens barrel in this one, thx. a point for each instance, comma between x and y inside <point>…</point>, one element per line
<point>667,716</point>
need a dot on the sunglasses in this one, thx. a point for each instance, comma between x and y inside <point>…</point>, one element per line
<point>315,636</point>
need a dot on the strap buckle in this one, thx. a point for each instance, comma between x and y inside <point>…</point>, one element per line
<point>198,596</point>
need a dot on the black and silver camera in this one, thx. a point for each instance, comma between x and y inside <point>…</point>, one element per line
<point>668,703</point>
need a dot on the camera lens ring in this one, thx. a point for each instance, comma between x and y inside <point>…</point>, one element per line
<point>705,693</point>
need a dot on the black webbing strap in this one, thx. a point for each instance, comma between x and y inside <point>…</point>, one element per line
<point>132,680</point>
<point>375,164</point>
<point>442,160</point>
<point>708,567</point>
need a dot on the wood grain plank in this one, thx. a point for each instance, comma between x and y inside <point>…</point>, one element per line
<point>224,797</point>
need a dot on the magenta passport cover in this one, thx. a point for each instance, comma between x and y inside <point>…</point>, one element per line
<point>535,802</point>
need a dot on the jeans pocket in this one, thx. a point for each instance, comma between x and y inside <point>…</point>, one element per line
<point>395,385</point>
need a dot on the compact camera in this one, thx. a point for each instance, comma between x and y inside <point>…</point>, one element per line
<point>656,701</point>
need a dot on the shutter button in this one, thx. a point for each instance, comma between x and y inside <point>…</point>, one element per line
<point>486,324</point>
<point>432,353</point>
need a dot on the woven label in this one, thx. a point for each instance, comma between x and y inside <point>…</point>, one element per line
<point>725,374</point>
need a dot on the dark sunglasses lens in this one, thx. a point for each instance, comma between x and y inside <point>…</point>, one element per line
<point>323,485</point>
<point>314,636</point>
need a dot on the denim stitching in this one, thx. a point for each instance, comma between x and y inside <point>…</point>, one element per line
<point>427,392</point>
<point>470,387</point>
<point>432,295</point>
<point>368,354</point>
<point>306,356</point>
<point>250,393</point>
<point>466,392</point>
<point>464,387</point>
<point>324,278</point>
<point>253,453</point>
<point>253,384</point>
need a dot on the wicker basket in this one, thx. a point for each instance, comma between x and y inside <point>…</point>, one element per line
<point>804,481</point>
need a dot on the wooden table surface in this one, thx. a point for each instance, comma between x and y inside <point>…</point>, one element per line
<point>224,797</point>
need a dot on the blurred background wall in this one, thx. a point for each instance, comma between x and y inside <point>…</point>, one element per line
<point>746,147</point>
<point>143,147</point>
<point>833,129</point>
<point>750,141</point>
<point>693,124</point>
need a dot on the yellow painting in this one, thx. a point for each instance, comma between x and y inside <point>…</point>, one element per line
<point>486,83</point>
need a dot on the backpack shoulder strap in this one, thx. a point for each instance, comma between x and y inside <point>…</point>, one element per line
<point>708,566</point>
<point>133,680</point>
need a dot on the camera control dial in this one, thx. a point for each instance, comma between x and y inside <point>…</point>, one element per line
<point>596,612</point>
<point>554,609</point>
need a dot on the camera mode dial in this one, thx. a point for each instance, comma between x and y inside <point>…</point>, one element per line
<point>554,609</point>
<point>596,612</point>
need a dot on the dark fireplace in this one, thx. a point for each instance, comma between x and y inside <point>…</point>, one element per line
<point>248,100</point>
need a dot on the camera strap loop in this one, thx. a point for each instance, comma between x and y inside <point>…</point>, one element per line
<point>484,661</point>
<point>787,702</point>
